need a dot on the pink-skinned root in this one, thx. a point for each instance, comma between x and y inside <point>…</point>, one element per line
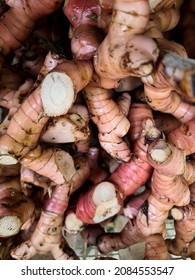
<point>47,237</point>
<point>156,248</point>
<point>101,202</point>
<point>17,211</point>
<point>108,242</point>
<point>111,122</point>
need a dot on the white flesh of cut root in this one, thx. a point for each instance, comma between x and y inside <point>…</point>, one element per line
<point>57,94</point>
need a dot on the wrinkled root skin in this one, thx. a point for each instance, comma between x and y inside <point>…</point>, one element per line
<point>181,248</point>
<point>47,237</point>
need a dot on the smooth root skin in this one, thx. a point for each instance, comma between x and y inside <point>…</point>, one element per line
<point>128,177</point>
<point>97,172</point>
<point>82,13</point>
<point>87,13</point>
<point>85,41</point>
<point>85,32</point>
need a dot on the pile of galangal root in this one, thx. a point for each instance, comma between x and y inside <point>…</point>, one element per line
<point>97,120</point>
